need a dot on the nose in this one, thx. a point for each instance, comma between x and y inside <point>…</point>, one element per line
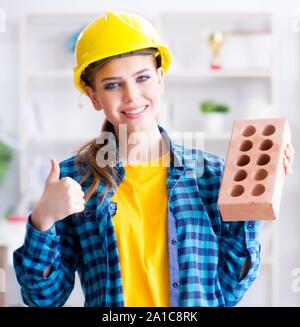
<point>130,93</point>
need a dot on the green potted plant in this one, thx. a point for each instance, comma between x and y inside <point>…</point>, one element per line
<point>214,114</point>
<point>5,158</point>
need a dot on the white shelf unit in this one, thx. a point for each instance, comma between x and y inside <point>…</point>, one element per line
<point>49,101</point>
<point>247,82</point>
<point>54,119</point>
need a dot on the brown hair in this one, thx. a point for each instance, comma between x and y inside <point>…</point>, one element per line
<point>87,153</point>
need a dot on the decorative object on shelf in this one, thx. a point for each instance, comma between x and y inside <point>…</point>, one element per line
<point>213,115</point>
<point>69,45</point>
<point>11,216</point>
<point>5,159</point>
<point>71,41</point>
<point>216,42</point>
<point>17,218</point>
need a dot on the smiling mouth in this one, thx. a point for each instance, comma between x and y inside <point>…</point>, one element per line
<point>136,112</point>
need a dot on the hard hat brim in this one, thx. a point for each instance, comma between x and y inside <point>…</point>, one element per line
<point>166,58</point>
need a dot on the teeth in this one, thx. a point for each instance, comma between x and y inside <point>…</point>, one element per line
<point>137,111</point>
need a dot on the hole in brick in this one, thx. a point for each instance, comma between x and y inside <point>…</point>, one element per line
<point>258,190</point>
<point>269,130</point>
<point>260,175</point>
<point>240,175</point>
<point>246,146</point>
<point>249,130</point>
<point>263,159</point>
<point>237,190</point>
<point>243,160</point>
<point>266,145</point>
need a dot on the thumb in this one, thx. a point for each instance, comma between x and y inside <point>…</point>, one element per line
<point>55,171</point>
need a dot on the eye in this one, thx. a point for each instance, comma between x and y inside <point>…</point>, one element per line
<point>112,85</point>
<point>143,78</point>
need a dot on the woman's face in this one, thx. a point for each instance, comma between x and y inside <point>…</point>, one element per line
<point>128,89</point>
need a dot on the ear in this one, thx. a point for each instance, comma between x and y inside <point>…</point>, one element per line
<point>93,97</point>
<point>161,75</point>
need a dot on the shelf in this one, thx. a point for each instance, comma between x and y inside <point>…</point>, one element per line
<point>172,76</point>
<point>219,14</point>
<point>48,141</point>
<point>218,136</point>
<point>45,140</point>
<point>221,74</point>
<point>51,74</point>
<point>177,135</point>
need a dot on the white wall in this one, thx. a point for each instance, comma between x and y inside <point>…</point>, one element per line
<point>289,92</point>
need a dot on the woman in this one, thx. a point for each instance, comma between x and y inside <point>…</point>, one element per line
<point>133,213</point>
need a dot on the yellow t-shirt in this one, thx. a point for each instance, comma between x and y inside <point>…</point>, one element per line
<point>142,235</point>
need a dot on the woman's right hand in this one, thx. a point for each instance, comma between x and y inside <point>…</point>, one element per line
<point>61,198</point>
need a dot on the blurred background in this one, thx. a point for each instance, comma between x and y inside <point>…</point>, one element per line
<point>231,61</point>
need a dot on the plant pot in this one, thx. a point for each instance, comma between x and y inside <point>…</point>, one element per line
<point>214,122</point>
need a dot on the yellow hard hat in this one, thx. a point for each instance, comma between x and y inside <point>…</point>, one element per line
<point>114,34</point>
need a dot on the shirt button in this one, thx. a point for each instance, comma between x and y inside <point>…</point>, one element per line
<point>174,241</point>
<point>175,285</point>
<point>250,226</point>
<point>52,245</point>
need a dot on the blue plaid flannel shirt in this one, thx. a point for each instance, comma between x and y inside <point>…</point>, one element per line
<point>206,255</point>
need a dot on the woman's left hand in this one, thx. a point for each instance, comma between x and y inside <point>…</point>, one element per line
<point>288,159</point>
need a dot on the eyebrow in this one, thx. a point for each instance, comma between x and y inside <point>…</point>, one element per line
<point>118,77</point>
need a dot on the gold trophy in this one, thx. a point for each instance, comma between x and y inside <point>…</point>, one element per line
<point>216,41</point>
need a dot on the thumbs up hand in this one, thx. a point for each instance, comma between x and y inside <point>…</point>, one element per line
<point>61,198</point>
<point>54,173</point>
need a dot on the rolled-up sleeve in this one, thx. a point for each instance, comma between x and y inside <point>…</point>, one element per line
<point>41,251</point>
<point>238,244</point>
<point>238,240</point>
